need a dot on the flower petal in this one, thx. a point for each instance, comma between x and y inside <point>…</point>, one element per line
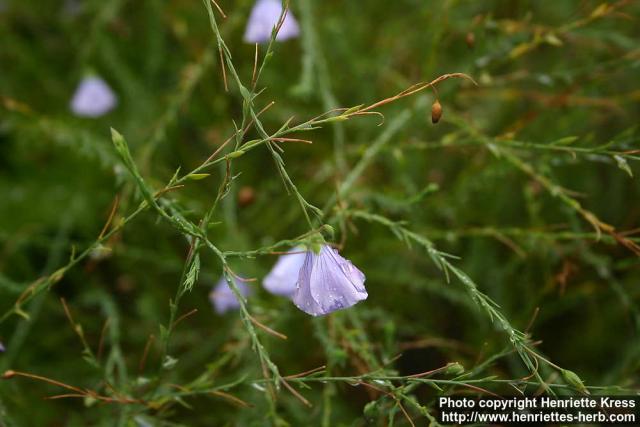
<point>223,298</point>
<point>302,297</point>
<point>264,16</point>
<point>327,283</point>
<point>283,277</point>
<point>93,98</point>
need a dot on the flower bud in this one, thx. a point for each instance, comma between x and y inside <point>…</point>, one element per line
<point>573,380</point>
<point>454,369</point>
<point>327,231</point>
<point>371,409</point>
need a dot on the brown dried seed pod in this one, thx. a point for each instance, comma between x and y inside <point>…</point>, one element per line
<point>246,196</point>
<point>436,112</point>
<point>470,39</point>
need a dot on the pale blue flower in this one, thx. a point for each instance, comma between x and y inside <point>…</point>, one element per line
<point>2,349</point>
<point>93,98</point>
<point>327,282</point>
<point>223,298</point>
<point>72,8</point>
<point>284,275</point>
<point>264,16</point>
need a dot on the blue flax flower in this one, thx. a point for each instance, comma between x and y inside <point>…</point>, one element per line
<point>93,98</point>
<point>223,298</point>
<point>327,282</point>
<point>264,16</point>
<point>284,275</point>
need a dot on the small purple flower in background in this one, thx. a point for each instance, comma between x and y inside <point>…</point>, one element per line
<point>327,282</point>
<point>264,16</point>
<point>2,349</point>
<point>223,298</point>
<point>93,98</point>
<point>72,8</point>
<point>284,275</point>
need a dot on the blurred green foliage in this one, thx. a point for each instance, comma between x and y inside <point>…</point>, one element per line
<point>530,178</point>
